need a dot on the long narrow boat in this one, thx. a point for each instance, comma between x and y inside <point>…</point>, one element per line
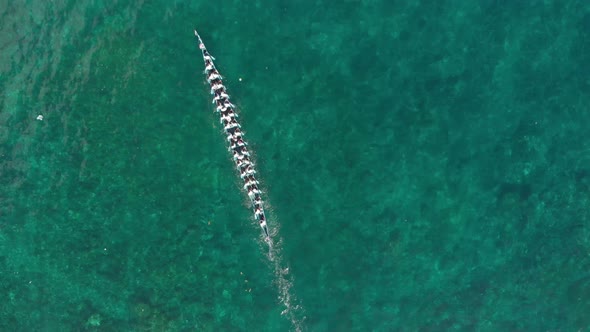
<point>235,137</point>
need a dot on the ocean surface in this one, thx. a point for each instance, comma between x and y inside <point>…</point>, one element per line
<point>426,165</point>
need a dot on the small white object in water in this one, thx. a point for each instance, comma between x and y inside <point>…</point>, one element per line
<point>94,320</point>
<point>40,117</point>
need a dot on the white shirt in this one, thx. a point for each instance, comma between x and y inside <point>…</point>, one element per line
<point>231,126</point>
<point>213,77</point>
<point>258,213</point>
<point>226,118</point>
<point>216,87</point>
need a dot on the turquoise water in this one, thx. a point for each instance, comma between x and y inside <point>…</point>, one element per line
<point>427,166</point>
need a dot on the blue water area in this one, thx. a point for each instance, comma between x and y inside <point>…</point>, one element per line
<point>425,163</point>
